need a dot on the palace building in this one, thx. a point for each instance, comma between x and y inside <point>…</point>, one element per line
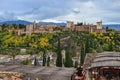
<point>89,28</point>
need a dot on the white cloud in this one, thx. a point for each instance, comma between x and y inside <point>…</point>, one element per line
<point>88,11</point>
<point>7,16</point>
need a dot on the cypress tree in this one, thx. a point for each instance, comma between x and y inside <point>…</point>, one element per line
<point>68,59</point>
<point>87,45</point>
<point>82,56</point>
<point>48,61</point>
<point>59,55</point>
<point>44,58</point>
<point>36,62</point>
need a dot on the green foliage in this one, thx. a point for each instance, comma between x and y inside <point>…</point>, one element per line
<point>48,61</point>
<point>93,51</point>
<point>44,59</point>
<point>79,23</point>
<point>76,64</point>
<point>82,55</point>
<point>25,62</point>
<point>99,49</point>
<point>105,47</point>
<point>13,52</point>
<point>111,46</point>
<point>68,59</point>
<point>36,63</point>
<point>87,45</point>
<point>110,30</point>
<point>59,55</point>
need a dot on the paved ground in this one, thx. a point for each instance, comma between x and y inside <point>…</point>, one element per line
<point>43,73</point>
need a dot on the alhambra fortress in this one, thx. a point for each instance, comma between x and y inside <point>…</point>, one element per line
<point>88,28</point>
<point>50,28</point>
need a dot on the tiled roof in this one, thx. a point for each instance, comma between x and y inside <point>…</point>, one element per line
<point>107,59</point>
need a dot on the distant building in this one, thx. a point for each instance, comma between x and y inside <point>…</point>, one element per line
<point>69,24</point>
<point>29,29</point>
<point>39,28</point>
<point>51,28</point>
<point>99,25</point>
<point>89,28</point>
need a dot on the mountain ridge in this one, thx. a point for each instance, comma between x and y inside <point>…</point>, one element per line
<point>16,22</point>
<point>27,22</point>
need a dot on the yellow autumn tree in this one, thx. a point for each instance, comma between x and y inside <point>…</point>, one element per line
<point>44,42</point>
<point>106,38</point>
<point>94,34</point>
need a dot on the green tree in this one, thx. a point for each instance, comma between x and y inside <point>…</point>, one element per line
<point>13,52</point>
<point>82,55</point>
<point>87,45</point>
<point>36,63</point>
<point>68,59</point>
<point>79,23</point>
<point>76,64</point>
<point>59,55</point>
<point>105,47</point>
<point>25,62</point>
<point>44,58</point>
<point>111,46</point>
<point>48,61</point>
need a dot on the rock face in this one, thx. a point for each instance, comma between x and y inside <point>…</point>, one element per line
<point>43,73</point>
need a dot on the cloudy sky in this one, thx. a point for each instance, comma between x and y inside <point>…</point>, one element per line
<point>88,11</point>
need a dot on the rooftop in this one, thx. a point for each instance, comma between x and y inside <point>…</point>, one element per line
<point>107,59</point>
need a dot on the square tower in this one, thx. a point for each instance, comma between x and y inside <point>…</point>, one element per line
<point>69,24</point>
<point>99,25</point>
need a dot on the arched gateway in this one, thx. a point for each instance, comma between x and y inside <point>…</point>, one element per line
<point>106,66</point>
